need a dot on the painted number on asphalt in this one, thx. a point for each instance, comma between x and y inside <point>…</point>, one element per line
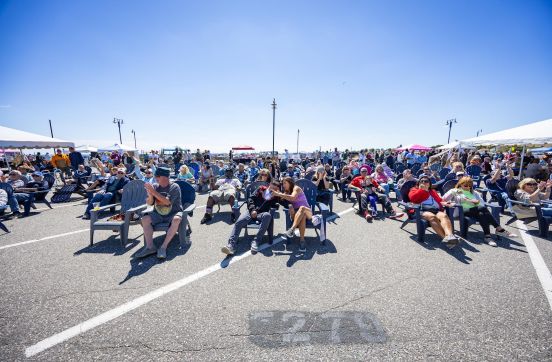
<point>284,328</point>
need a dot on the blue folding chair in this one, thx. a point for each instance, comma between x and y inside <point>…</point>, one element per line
<point>474,171</point>
<point>444,172</point>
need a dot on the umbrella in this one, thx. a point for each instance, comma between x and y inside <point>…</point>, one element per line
<point>243,148</point>
<point>414,147</point>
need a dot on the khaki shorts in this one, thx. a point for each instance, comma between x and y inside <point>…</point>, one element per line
<point>222,197</point>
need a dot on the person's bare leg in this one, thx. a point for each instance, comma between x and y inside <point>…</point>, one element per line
<point>148,231</point>
<point>173,229</point>
<point>297,219</point>
<point>302,227</point>
<point>434,223</point>
<point>445,223</point>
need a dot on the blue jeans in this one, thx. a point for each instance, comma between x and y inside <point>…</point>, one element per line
<point>14,204</point>
<point>103,199</point>
<point>546,211</point>
<point>242,222</point>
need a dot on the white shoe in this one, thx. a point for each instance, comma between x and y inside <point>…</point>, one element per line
<point>490,241</point>
<point>505,233</point>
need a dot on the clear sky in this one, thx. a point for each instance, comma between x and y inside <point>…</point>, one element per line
<point>203,73</point>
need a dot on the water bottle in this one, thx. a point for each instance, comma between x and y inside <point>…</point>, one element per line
<point>236,203</point>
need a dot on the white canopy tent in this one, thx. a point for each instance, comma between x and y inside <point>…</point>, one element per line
<point>455,145</point>
<point>14,138</point>
<point>119,147</point>
<point>86,148</point>
<point>536,133</point>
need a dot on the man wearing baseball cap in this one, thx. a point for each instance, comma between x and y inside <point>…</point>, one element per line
<point>167,209</point>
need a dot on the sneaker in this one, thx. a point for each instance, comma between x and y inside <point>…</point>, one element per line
<point>451,241</point>
<point>161,253</point>
<point>254,246</point>
<point>233,218</point>
<point>396,215</point>
<point>145,252</point>
<point>228,249</point>
<point>490,240</point>
<point>17,215</point>
<point>206,218</point>
<point>302,246</point>
<point>505,233</point>
<point>290,233</point>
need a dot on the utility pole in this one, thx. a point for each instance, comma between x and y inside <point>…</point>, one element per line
<point>273,123</point>
<point>134,133</point>
<point>119,121</point>
<point>479,131</point>
<point>449,123</point>
<point>297,141</point>
<point>51,132</point>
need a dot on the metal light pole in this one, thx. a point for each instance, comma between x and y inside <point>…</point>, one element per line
<point>297,141</point>
<point>51,132</point>
<point>479,131</point>
<point>449,123</point>
<point>273,123</point>
<point>134,134</point>
<point>119,122</point>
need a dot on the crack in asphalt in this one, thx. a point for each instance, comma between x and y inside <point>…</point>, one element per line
<point>163,350</point>
<point>388,286</point>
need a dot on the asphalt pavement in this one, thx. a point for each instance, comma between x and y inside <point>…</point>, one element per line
<point>371,292</point>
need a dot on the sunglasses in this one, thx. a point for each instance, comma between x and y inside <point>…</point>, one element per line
<point>364,171</point>
<point>149,173</point>
<point>120,173</point>
<point>531,184</point>
<point>424,181</point>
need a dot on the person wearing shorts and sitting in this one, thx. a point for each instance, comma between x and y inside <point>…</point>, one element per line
<point>432,210</point>
<point>167,209</point>
<point>225,193</point>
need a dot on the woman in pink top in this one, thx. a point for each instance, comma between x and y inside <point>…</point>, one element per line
<point>299,210</point>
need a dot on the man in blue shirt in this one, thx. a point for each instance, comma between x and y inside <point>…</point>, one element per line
<point>75,158</point>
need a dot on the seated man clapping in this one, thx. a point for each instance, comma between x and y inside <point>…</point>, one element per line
<point>112,187</point>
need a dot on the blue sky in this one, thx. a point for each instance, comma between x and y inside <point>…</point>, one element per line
<point>203,74</point>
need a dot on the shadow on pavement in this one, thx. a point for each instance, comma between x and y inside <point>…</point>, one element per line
<point>141,266</point>
<point>111,245</point>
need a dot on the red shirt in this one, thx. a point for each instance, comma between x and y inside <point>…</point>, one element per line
<point>359,182</point>
<point>417,196</point>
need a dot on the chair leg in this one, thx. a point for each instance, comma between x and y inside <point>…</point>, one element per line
<point>91,236</point>
<point>123,235</point>
<point>3,227</point>
<point>48,203</point>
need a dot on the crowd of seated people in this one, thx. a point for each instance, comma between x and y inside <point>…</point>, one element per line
<point>369,177</point>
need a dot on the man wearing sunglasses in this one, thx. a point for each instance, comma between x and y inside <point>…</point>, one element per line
<point>110,189</point>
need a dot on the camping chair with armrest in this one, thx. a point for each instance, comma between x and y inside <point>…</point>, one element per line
<point>302,182</point>
<point>318,208</point>
<point>399,168</point>
<point>415,168</point>
<point>133,200</point>
<point>188,195</point>
<point>435,167</point>
<point>444,172</point>
<point>40,196</point>
<point>474,171</point>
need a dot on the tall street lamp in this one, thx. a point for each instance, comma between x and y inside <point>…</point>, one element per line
<point>273,123</point>
<point>134,134</point>
<point>119,122</point>
<point>449,123</point>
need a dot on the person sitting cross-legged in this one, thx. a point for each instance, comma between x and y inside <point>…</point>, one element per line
<point>107,194</point>
<point>224,193</point>
<point>258,207</point>
<point>166,199</point>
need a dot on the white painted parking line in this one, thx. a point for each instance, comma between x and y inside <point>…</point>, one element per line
<point>543,273</point>
<point>140,301</point>
<point>42,239</point>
